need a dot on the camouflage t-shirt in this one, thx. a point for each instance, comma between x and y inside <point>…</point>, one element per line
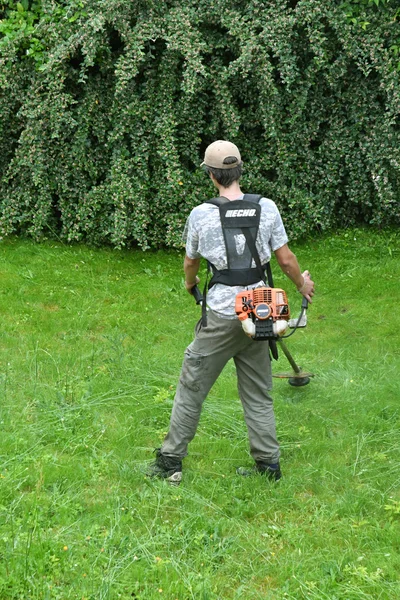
<point>203,237</point>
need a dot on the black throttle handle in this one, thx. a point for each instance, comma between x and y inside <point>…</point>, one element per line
<point>196,294</point>
<point>304,304</point>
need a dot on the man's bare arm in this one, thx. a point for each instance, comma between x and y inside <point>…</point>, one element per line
<point>288,263</point>
<point>191,268</point>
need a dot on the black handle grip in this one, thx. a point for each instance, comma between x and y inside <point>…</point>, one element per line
<point>304,303</point>
<point>197,294</point>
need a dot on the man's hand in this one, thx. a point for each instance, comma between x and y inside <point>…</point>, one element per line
<point>307,289</point>
<point>189,286</point>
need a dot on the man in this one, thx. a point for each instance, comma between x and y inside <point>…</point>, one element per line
<point>223,337</point>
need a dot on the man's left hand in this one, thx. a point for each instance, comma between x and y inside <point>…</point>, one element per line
<point>189,286</point>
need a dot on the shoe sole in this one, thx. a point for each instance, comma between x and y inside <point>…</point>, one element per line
<point>175,478</point>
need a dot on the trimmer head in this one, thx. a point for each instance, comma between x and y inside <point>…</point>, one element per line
<point>296,379</point>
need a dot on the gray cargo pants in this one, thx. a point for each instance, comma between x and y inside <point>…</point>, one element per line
<point>204,360</point>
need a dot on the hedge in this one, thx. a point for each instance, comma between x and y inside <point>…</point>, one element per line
<point>106,108</point>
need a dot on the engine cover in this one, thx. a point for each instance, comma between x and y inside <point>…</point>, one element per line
<point>262,303</point>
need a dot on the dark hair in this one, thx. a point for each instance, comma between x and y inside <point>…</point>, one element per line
<point>226,177</point>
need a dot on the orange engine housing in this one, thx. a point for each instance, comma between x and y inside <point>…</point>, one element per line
<point>262,303</point>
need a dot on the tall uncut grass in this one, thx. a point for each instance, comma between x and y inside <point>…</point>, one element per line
<point>91,348</point>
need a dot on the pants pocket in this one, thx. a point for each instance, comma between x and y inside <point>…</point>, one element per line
<point>192,371</point>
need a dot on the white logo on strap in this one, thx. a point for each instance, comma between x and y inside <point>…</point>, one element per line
<point>242,212</point>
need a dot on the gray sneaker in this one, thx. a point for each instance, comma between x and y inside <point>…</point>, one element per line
<point>166,467</point>
<point>270,470</point>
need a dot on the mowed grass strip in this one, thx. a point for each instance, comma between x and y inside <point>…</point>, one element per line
<point>91,347</point>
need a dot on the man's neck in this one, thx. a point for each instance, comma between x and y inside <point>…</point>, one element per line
<point>232,192</point>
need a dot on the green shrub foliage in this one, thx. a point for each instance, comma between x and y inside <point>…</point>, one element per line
<point>106,108</point>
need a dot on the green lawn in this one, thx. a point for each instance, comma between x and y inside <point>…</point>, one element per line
<point>91,347</point>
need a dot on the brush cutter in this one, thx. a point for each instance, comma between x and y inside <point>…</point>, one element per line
<point>265,315</point>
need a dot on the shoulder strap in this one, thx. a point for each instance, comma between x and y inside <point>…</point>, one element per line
<point>222,200</point>
<point>250,241</point>
<point>254,252</point>
<point>252,197</point>
<point>217,201</point>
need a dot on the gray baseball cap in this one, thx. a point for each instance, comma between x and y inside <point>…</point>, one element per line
<point>217,152</point>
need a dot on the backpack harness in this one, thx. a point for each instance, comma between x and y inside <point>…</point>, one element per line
<point>238,218</point>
